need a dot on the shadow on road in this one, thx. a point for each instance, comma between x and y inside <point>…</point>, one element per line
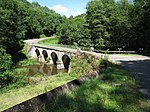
<point>141,70</point>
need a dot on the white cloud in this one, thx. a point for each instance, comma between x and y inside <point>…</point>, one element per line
<point>76,14</point>
<point>30,1</point>
<point>59,8</point>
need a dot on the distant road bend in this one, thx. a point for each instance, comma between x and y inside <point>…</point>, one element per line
<point>34,41</point>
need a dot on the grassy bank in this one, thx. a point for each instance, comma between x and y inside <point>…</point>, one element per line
<point>115,91</point>
<point>31,86</point>
<point>52,41</point>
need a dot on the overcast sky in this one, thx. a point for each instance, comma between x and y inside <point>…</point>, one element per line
<point>65,7</point>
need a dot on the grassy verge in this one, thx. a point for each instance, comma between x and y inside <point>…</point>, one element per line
<point>53,41</point>
<point>32,86</point>
<point>114,91</point>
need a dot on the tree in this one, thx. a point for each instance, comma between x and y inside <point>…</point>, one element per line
<point>97,19</point>
<point>11,30</point>
<point>121,26</point>
<point>74,32</point>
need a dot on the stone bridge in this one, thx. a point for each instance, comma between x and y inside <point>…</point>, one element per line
<point>51,54</point>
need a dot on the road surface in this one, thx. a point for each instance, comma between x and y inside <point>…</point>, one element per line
<point>34,41</point>
<point>140,66</point>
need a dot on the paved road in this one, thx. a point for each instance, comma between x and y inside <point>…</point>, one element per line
<point>34,41</point>
<point>140,66</point>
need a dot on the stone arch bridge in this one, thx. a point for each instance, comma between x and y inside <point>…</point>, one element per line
<point>54,54</point>
<point>51,54</point>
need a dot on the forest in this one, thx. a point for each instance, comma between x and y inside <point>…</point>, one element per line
<point>107,24</point>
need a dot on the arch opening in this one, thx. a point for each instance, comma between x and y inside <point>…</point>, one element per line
<point>45,54</point>
<point>54,57</point>
<point>66,61</point>
<point>37,52</point>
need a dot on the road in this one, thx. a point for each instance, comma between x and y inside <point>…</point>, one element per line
<point>140,67</point>
<point>34,41</point>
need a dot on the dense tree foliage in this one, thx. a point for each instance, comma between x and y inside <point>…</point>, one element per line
<point>111,25</point>
<point>97,19</point>
<point>142,23</point>
<point>73,32</point>
<point>20,20</point>
<point>107,24</point>
<point>5,67</point>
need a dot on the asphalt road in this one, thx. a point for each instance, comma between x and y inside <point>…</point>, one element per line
<point>140,67</point>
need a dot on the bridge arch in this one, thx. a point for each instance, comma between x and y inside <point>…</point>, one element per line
<point>37,52</point>
<point>45,54</point>
<point>54,57</point>
<point>66,61</point>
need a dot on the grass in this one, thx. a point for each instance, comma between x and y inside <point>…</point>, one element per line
<point>27,62</point>
<point>39,84</point>
<point>51,41</point>
<point>114,91</point>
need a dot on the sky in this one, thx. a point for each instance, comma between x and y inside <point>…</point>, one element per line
<point>65,7</point>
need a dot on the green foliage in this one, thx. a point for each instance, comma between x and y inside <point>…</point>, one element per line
<point>5,68</point>
<point>27,62</point>
<point>5,60</point>
<point>141,22</point>
<point>53,40</point>
<point>114,93</point>
<point>21,20</point>
<point>97,19</point>
<point>73,32</point>
<point>121,26</point>
<point>27,87</point>
<point>109,24</point>
<point>11,30</point>
<point>42,36</point>
<point>6,78</point>
<point>13,77</point>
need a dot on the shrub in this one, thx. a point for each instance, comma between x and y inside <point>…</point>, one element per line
<point>5,67</point>
<point>5,78</point>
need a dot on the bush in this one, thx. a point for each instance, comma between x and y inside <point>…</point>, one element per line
<point>5,67</point>
<point>42,36</point>
<point>5,60</point>
<point>5,78</point>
